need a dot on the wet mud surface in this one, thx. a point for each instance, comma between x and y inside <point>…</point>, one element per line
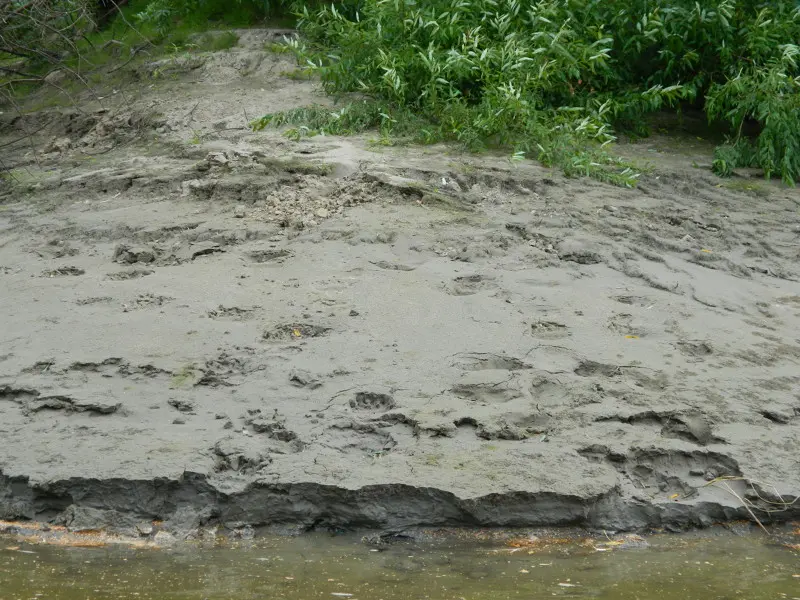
<point>204,325</point>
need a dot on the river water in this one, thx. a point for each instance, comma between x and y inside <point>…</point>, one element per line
<point>722,567</point>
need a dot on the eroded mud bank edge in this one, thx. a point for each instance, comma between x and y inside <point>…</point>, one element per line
<point>184,506</point>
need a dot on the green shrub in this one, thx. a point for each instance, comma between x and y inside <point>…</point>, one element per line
<point>217,41</point>
<point>42,31</point>
<point>555,78</point>
<point>162,14</point>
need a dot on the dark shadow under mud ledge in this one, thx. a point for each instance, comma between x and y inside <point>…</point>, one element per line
<point>186,505</point>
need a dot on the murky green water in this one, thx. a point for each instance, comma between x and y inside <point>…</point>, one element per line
<point>309,567</point>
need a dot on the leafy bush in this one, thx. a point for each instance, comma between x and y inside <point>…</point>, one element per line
<point>162,14</point>
<point>40,30</point>
<point>216,42</point>
<point>555,78</point>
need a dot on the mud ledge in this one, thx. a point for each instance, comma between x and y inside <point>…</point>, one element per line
<point>192,502</point>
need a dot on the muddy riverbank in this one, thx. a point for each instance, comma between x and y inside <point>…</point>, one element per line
<point>203,325</point>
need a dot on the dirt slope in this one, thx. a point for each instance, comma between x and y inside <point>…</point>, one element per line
<point>205,325</point>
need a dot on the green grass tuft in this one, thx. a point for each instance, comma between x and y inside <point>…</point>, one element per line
<point>216,42</point>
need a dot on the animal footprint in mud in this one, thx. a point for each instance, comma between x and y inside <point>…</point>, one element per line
<point>696,349</point>
<point>184,406</point>
<point>269,255</point>
<point>233,313</point>
<point>146,301</point>
<point>129,274</point>
<point>589,368</point>
<point>549,330</point>
<point>643,377</point>
<point>633,300</point>
<point>272,427</point>
<point>63,272</point>
<point>470,284</point>
<point>128,255</point>
<point>487,387</point>
<point>240,454</point>
<point>71,405</point>
<point>93,300</point>
<point>482,361</point>
<point>624,324</point>
<point>294,332</point>
<point>387,266</point>
<point>692,428</point>
<point>56,249</point>
<point>372,401</point>
<point>360,438</point>
<point>666,470</point>
<point>578,251</point>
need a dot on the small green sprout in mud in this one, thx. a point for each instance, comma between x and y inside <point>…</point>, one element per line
<point>22,176</point>
<point>379,454</point>
<point>216,42</point>
<point>278,48</point>
<point>382,142</point>
<point>752,188</point>
<point>433,460</point>
<point>176,47</point>
<point>9,176</point>
<point>298,74</point>
<point>184,376</point>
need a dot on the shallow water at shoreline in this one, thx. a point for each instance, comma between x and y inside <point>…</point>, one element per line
<point>320,566</point>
